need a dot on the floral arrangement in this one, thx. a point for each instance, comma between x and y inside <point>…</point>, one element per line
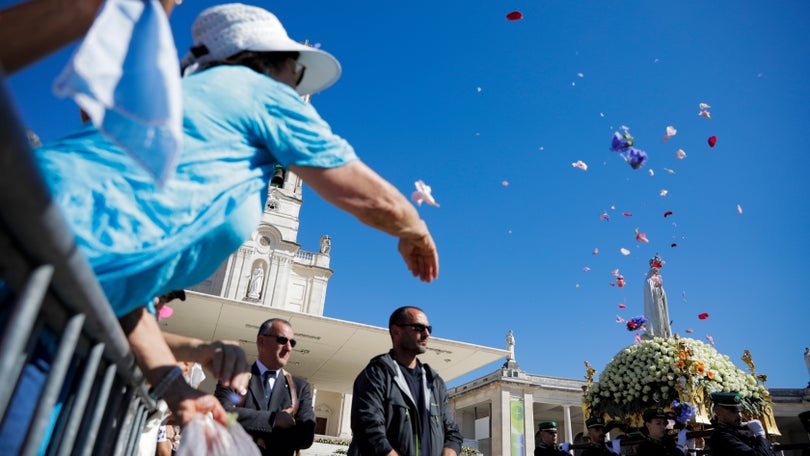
<point>467,451</point>
<point>622,142</point>
<point>683,411</point>
<point>658,371</point>
<point>637,323</point>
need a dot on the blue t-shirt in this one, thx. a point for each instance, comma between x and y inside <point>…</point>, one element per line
<point>143,241</point>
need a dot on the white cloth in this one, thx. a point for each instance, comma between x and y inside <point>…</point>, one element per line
<point>126,77</point>
<point>655,306</point>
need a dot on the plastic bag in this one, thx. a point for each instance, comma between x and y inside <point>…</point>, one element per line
<point>203,436</point>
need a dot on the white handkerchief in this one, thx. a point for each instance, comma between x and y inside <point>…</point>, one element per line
<point>126,77</point>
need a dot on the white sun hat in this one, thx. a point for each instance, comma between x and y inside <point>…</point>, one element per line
<point>222,31</point>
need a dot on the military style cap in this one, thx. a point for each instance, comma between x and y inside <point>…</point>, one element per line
<point>548,426</point>
<point>595,421</point>
<point>731,400</point>
<point>653,413</point>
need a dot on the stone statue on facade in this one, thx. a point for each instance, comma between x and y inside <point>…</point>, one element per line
<point>326,244</point>
<point>510,346</point>
<point>256,282</point>
<point>656,308</point>
<point>807,362</point>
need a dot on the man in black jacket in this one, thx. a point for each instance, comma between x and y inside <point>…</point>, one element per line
<point>727,438</point>
<point>545,443</point>
<point>400,406</point>
<point>279,418</point>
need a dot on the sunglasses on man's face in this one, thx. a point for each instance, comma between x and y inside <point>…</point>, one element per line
<point>418,327</point>
<point>282,340</point>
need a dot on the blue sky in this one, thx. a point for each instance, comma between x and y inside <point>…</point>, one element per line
<point>456,95</point>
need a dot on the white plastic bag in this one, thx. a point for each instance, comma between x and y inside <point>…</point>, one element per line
<point>205,437</point>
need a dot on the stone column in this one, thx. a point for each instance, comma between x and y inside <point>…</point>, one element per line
<point>528,421</point>
<point>501,423</point>
<point>569,434</point>
<point>344,419</point>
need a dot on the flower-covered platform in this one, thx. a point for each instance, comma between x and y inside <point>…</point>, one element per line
<point>677,374</point>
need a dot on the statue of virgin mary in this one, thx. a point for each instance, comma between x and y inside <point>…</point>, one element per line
<point>655,301</point>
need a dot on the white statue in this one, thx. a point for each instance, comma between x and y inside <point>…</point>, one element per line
<point>655,301</point>
<point>510,346</point>
<point>326,244</point>
<point>256,281</point>
<point>807,359</point>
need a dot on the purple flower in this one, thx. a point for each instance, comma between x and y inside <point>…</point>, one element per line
<point>636,157</point>
<point>621,141</point>
<point>634,324</point>
<point>683,410</point>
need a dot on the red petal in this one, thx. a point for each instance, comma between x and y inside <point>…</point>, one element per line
<point>674,245</point>
<point>712,141</point>
<point>703,316</point>
<point>514,16</point>
<point>627,214</point>
<point>622,306</point>
<point>667,214</point>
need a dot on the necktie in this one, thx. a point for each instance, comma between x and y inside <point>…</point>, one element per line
<point>269,378</point>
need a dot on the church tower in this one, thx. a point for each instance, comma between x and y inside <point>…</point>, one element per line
<point>270,269</point>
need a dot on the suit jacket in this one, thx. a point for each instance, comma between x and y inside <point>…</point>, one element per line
<point>257,417</point>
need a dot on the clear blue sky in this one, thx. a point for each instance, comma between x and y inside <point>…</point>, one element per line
<point>512,257</point>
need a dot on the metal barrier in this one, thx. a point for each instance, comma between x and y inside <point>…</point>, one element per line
<point>93,388</point>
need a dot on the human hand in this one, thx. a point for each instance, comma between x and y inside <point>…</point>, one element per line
<point>682,438</point>
<point>284,420</point>
<point>186,402</point>
<point>616,446</point>
<point>227,362</point>
<point>421,256</point>
<point>755,427</point>
<point>565,447</point>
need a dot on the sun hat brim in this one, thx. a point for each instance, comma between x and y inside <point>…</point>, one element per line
<point>223,31</point>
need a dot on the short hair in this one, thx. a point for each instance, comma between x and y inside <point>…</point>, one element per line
<point>260,62</point>
<point>399,315</point>
<point>264,328</point>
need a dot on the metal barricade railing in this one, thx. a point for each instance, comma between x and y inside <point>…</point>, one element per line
<point>92,389</point>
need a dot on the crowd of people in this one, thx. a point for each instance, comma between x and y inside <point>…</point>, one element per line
<point>243,117</point>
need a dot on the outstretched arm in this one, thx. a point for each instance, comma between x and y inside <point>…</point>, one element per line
<point>224,359</point>
<point>358,190</point>
<point>57,23</point>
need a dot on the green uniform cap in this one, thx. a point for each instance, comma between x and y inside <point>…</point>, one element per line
<point>595,421</point>
<point>653,413</point>
<point>731,400</point>
<point>548,426</point>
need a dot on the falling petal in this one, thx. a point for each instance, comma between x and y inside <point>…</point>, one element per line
<point>576,286</point>
<point>652,173</point>
<point>671,131</point>
<point>667,214</point>
<point>680,154</point>
<point>612,208</point>
<point>478,89</point>
<point>673,245</point>
<point>739,209</point>
<point>624,251</point>
<point>514,16</point>
<point>663,192</point>
<point>622,306</point>
<point>638,338</point>
<point>619,319</point>
<point>601,114</point>
<point>612,284</point>
<point>703,316</point>
<point>604,216</point>
<point>581,75</point>
<point>670,171</point>
<point>690,331</point>
<point>614,272</point>
<point>595,252</point>
<point>505,183</point>
<point>641,237</point>
<point>422,194</point>
<point>712,141</point>
<point>704,106</point>
<point>705,114</point>
<point>165,312</point>
<point>586,269</point>
<point>627,214</point>
<point>580,164</point>
<point>620,281</point>
<point>710,339</point>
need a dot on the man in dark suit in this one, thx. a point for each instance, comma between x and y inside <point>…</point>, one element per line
<point>279,418</point>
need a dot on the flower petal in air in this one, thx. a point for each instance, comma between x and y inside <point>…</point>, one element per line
<point>624,251</point>
<point>514,16</point>
<point>622,306</point>
<point>422,194</point>
<point>663,192</point>
<point>703,316</point>
<point>586,269</point>
<point>712,141</point>
<point>704,106</point>
<point>619,319</point>
<point>604,216</point>
<point>705,114</point>
<point>641,237</point>
<point>595,252</point>
<point>627,214</point>
<point>620,281</point>
<point>671,131</point>
<point>680,154</point>
<point>580,164</point>
<point>710,339</point>
<point>667,214</point>
<point>739,209</point>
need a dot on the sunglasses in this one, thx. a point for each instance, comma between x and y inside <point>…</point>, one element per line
<point>419,327</point>
<point>282,340</point>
